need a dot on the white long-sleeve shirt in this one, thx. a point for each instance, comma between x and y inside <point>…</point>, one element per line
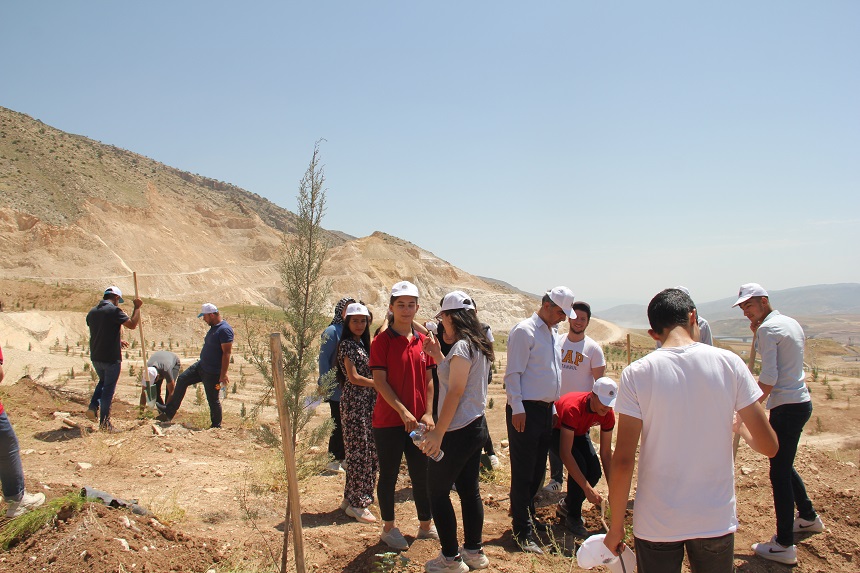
<point>534,367</point>
<point>780,341</point>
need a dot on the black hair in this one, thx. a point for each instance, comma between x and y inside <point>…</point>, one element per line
<point>670,308</point>
<point>466,326</point>
<point>365,336</point>
<point>584,307</point>
<point>547,299</point>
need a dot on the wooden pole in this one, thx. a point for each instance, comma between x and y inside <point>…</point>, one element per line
<point>751,365</point>
<point>289,460</point>
<point>628,349</point>
<point>147,391</point>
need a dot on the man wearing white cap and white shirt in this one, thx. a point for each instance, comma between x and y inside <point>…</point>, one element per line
<point>680,399</point>
<point>780,341</point>
<point>105,321</point>
<point>211,369</point>
<point>577,413</point>
<point>532,385</point>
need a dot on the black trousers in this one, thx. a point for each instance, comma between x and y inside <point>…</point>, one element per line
<point>335,441</point>
<point>528,462</point>
<point>589,464</point>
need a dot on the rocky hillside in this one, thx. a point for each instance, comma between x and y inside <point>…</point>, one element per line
<point>76,212</point>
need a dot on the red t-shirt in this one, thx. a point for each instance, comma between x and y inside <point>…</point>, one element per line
<point>1,364</point>
<point>406,365</point>
<point>573,414</point>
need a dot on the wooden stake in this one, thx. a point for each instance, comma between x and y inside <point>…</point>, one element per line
<point>289,460</point>
<point>628,349</point>
<point>146,391</point>
<point>751,365</point>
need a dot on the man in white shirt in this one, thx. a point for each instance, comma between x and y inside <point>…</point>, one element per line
<point>532,385</point>
<point>680,400</point>
<point>780,341</point>
<point>582,362</point>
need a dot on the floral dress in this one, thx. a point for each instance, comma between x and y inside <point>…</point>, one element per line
<point>356,413</point>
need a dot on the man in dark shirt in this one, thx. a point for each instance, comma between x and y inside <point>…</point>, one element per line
<point>211,369</point>
<point>105,320</point>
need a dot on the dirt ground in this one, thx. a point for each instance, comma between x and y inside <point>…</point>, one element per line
<point>218,496</point>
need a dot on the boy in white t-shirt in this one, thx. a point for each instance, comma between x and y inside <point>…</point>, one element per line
<point>681,399</point>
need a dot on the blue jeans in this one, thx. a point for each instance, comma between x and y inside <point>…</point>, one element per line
<point>707,555</point>
<point>11,472</point>
<point>192,376</point>
<point>789,491</point>
<point>461,466</point>
<point>108,373</point>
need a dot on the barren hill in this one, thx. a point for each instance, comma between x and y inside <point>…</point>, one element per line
<point>76,212</point>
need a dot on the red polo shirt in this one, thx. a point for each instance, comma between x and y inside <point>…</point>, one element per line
<point>405,365</point>
<point>573,414</point>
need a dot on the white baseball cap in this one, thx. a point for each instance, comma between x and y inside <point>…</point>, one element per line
<point>208,308</point>
<point>748,291</point>
<point>683,289</point>
<point>593,553</point>
<point>116,291</point>
<point>357,308</point>
<point>153,374</point>
<point>404,288</point>
<point>456,300</point>
<point>563,297</point>
<point>606,390</point>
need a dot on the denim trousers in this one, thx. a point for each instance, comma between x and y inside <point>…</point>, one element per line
<point>460,466</point>
<point>706,555</point>
<point>528,451</point>
<point>191,376</point>
<point>108,373</point>
<point>391,445</point>
<point>11,471</point>
<point>789,491</point>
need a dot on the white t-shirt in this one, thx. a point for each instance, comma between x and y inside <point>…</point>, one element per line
<point>474,398</point>
<point>685,398</point>
<point>577,360</point>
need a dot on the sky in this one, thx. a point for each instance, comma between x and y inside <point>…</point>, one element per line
<point>618,148</point>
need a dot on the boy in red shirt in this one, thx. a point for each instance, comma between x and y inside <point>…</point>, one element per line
<point>577,413</point>
<point>402,375</point>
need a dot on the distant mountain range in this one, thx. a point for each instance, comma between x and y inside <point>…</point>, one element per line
<point>824,310</point>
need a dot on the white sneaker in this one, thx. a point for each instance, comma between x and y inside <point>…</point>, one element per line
<point>474,559</point>
<point>805,526</point>
<point>442,564</point>
<point>29,502</point>
<point>552,486</point>
<point>361,514</point>
<point>427,533</point>
<point>776,552</point>
<point>494,461</point>
<point>334,467</point>
<point>394,539</point>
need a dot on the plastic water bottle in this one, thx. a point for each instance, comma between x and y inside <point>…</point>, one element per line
<point>417,436</point>
<point>222,393</point>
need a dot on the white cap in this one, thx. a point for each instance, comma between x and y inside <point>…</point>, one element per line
<point>748,291</point>
<point>116,291</point>
<point>431,326</point>
<point>404,288</point>
<point>456,300</point>
<point>593,553</point>
<point>683,289</point>
<point>563,297</point>
<point>153,374</point>
<point>606,390</point>
<point>357,309</point>
<point>208,308</point>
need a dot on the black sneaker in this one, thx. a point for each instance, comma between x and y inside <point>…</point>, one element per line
<point>576,528</point>
<point>528,544</point>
